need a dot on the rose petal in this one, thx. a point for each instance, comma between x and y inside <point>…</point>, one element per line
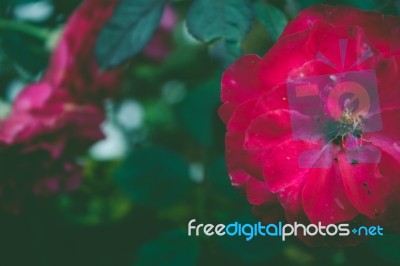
<point>277,126</point>
<point>324,199</point>
<point>240,83</point>
<point>281,165</point>
<point>373,23</point>
<point>291,50</point>
<point>258,193</point>
<point>365,187</point>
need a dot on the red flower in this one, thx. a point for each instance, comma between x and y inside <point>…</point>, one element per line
<point>57,119</point>
<point>312,127</point>
<point>41,110</point>
<point>73,64</point>
<point>40,140</point>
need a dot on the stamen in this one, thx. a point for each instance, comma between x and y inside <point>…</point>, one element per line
<point>346,131</point>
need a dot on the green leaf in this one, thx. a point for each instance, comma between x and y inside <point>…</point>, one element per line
<point>306,3</point>
<point>26,52</point>
<point>128,31</point>
<point>227,21</point>
<point>209,20</point>
<point>386,247</point>
<point>170,249</point>
<point>396,8</point>
<point>196,111</point>
<point>362,4</point>
<point>225,51</point>
<point>272,18</point>
<point>155,177</point>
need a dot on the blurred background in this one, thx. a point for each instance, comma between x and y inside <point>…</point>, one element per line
<point>162,161</point>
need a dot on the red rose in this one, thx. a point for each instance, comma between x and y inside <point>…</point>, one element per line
<point>73,64</point>
<point>40,110</point>
<point>312,127</point>
<point>56,120</point>
<point>40,140</point>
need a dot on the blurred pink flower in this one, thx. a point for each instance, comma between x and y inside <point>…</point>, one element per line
<point>73,64</point>
<point>40,140</point>
<point>56,120</point>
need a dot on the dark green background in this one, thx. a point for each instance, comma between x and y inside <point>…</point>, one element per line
<point>134,210</point>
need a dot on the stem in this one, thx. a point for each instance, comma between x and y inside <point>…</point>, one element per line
<point>25,28</point>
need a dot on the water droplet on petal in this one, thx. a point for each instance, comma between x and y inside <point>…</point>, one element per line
<point>339,203</point>
<point>396,147</point>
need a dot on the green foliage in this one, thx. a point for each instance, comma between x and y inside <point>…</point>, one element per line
<point>227,21</point>
<point>212,19</point>
<point>386,247</point>
<point>33,59</point>
<point>170,249</point>
<point>155,177</point>
<point>307,3</point>
<point>225,51</point>
<point>363,4</point>
<point>219,179</point>
<point>272,18</point>
<point>99,200</point>
<point>16,2</point>
<point>197,116</point>
<point>129,30</point>
<point>256,250</point>
<point>159,117</point>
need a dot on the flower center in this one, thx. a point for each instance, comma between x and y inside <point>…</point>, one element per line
<point>348,126</point>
